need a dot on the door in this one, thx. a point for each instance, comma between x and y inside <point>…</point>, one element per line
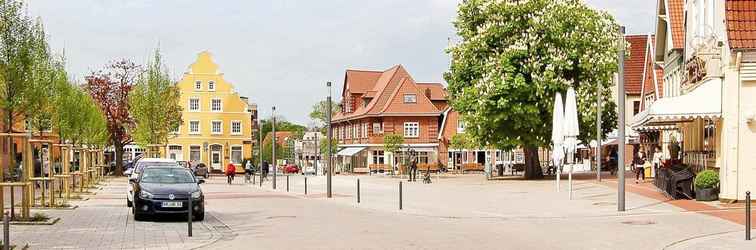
<point>215,161</point>
<point>174,152</point>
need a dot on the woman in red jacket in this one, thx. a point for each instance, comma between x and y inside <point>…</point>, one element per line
<point>230,172</point>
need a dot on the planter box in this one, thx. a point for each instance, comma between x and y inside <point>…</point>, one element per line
<point>707,194</point>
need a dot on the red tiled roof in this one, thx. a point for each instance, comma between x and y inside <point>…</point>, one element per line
<point>741,23</point>
<point>280,136</point>
<point>676,13</point>
<point>360,81</point>
<point>648,80</point>
<point>437,90</point>
<point>634,63</point>
<point>384,93</point>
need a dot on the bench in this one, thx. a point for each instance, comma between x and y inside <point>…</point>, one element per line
<point>472,167</point>
<point>378,167</point>
<point>361,170</point>
<point>518,167</point>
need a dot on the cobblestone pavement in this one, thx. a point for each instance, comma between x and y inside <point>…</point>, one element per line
<point>104,222</point>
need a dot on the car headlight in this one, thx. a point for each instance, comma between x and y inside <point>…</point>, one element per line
<point>196,195</point>
<point>145,195</point>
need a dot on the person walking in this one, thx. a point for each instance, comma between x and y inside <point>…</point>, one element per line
<point>264,170</point>
<point>249,171</point>
<point>640,160</point>
<point>230,173</point>
<point>657,160</point>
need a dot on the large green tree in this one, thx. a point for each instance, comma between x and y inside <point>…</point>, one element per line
<point>514,56</point>
<point>154,104</point>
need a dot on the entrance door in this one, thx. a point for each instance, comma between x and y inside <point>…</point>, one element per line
<point>215,157</point>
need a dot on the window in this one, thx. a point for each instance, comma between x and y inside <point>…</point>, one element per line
<point>460,126</point>
<point>194,153</point>
<point>364,130</point>
<point>217,127</point>
<point>636,107</point>
<point>194,104</point>
<point>198,85</point>
<point>236,127</point>
<point>211,85</point>
<point>648,101</point>
<point>194,127</point>
<point>378,157</point>
<point>411,129</point>
<point>236,154</point>
<point>175,130</point>
<point>377,128</point>
<point>422,157</point>
<point>355,131</point>
<point>410,98</point>
<point>216,105</point>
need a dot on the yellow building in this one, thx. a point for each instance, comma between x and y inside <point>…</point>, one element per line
<point>216,127</point>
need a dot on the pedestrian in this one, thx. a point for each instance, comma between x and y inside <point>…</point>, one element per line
<point>639,162</point>
<point>264,170</point>
<point>248,172</point>
<point>230,173</point>
<point>413,169</point>
<point>657,160</point>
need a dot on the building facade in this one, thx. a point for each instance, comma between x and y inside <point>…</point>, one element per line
<point>217,122</point>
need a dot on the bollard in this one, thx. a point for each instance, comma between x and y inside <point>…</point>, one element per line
<point>358,190</point>
<point>189,215</point>
<point>261,179</point>
<point>748,215</point>
<point>400,195</point>
<point>305,185</point>
<point>12,202</point>
<point>253,178</point>
<point>287,183</point>
<point>6,231</point>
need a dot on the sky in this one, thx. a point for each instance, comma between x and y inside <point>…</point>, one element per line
<point>278,52</point>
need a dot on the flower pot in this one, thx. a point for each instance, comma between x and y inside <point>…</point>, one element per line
<point>707,194</point>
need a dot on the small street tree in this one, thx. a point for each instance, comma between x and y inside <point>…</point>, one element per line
<point>109,88</point>
<point>514,56</point>
<point>391,144</point>
<point>324,149</point>
<point>154,104</point>
<point>320,116</point>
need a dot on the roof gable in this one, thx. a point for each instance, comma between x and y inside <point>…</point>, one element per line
<point>634,64</point>
<point>397,105</point>
<point>360,81</point>
<point>675,15</point>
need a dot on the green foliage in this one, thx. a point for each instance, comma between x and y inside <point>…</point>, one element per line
<point>392,142</point>
<point>267,152</point>
<point>463,141</point>
<point>707,179</point>
<point>154,104</point>
<point>281,125</point>
<point>514,56</point>
<point>319,115</point>
<point>324,146</point>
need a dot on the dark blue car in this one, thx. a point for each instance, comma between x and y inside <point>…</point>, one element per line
<point>167,190</point>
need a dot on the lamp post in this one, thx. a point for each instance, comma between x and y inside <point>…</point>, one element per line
<point>273,145</point>
<point>599,95</point>
<point>330,140</point>
<point>260,147</point>
<point>621,123</point>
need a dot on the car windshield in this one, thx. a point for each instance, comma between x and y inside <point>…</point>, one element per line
<point>142,165</point>
<point>167,176</point>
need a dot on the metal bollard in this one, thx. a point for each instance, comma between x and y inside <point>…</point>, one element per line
<point>358,190</point>
<point>305,185</point>
<point>6,231</point>
<point>189,215</point>
<point>287,183</point>
<point>400,195</point>
<point>253,178</point>
<point>748,215</point>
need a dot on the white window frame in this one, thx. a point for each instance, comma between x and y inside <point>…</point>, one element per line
<point>220,105</point>
<point>211,85</point>
<point>460,126</point>
<point>411,129</point>
<point>199,104</point>
<point>212,128</point>
<point>377,128</point>
<point>232,127</point>
<point>199,127</point>
<point>364,130</point>
<point>231,153</point>
<point>198,85</point>
<point>412,100</point>
<point>190,151</point>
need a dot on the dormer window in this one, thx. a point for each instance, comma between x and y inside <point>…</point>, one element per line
<point>410,98</point>
<point>211,85</point>
<point>198,85</point>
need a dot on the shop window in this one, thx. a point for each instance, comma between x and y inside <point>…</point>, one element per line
<point>378,157</point>
<point>236,154</point>
<point>194,153</point>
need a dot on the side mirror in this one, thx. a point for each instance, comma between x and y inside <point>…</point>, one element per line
<point>200,181</point>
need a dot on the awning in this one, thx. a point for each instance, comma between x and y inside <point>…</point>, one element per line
<point>705,101</point>
<point>350,151</point>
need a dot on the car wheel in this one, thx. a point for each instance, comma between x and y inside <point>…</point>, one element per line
<point>199,217</point>
<point>137,216</point>
<point>128,203</point>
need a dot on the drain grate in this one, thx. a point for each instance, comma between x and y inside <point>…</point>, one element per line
<point>639,222</point>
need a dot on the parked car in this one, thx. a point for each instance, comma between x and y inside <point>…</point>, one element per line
<point>166,190</point>
<point>201,170</point>
<point>309,170</point>
<point>291,169</point>
<point>184,164</point>
<point>138,168</point>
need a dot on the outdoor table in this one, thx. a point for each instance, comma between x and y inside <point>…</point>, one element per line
<point>24,198</point>
<point>46,181</point>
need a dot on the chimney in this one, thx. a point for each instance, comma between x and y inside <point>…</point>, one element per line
<point>428,93</point>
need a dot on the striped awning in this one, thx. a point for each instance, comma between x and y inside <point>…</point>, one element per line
<point>705,101</point>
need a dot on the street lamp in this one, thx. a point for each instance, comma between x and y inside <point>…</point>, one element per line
<point>330,140</point>
<point>621,123</point>
<point>273,151</point>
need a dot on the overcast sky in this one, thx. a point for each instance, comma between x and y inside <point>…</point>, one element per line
<point>275,52</point>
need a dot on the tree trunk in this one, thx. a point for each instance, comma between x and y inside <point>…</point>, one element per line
<point>532,164</point>
<point>118,157</point>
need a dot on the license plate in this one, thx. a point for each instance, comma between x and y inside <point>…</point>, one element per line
<point>172,204</point>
